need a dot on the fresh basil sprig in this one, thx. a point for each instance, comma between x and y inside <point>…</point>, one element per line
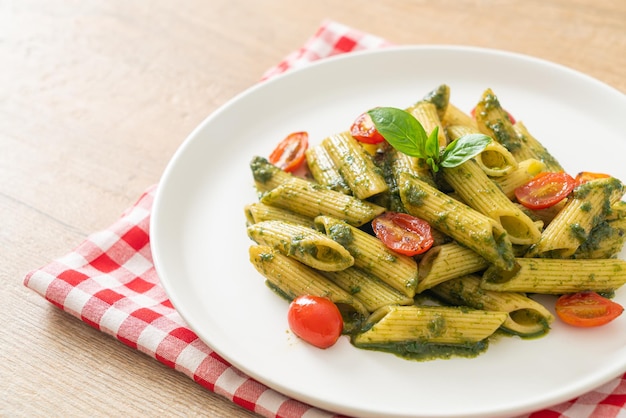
<point>407,135</point>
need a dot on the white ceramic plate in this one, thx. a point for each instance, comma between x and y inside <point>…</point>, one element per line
<point>200,245</point>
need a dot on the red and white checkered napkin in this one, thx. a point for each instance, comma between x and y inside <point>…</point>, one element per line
<point>109,282</point>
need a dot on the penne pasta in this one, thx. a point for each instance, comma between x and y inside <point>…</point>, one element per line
<point>464,224</point>
<point>440,97</point>
<point>259,212</point>
<point>370,254</point>
<point>493,120</point>
<point>267,176</point>
<point>324,170</point>
<point>303,244</point>
<point>424,325</point>
<point>525,317</point>
<point>481,194</point>
<point>355,165</point>
<point>311,200</point>
<point>455,116</point>
<point>368,289</point>
<point>446,262</point>
<point>495,160</point>
<point>426,113</point>
<point>525,171</point>
<point>589,204</point>
<point>557,276</point>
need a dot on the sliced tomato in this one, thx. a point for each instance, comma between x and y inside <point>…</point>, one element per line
<point>545,189</point>
<point>585,176</point>
<point>364,130</point>
<point>315,319</point>
<point>289,154</point>
<point>403,233</point>
<point>587,309</point>
<point>511,118</point>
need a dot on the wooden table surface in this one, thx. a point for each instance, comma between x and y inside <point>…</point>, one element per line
<point>95,97</point>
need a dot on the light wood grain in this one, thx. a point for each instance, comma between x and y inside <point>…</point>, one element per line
<point>95,97</point>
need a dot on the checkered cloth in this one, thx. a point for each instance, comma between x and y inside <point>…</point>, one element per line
<point>109,282</point>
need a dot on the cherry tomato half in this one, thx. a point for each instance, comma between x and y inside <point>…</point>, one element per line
<point>511,118</point>
<point>316,320</point>
<point>289,154</point>
<point>403,233</point>
<point>585,176</point>
<point>364,130</point>
<point>545,189</point>
<point>587,309</point>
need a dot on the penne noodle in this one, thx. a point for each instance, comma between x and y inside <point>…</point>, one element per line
<point>588,205</point>
<point>525,171</point>
<point>481,194</point>
<point>464,224</point>
<point>370,254</point>
<point>303,244</point>
<point>355,165</point>
<point>368,289</point>
<point>267,176</point>
<point>426,113</point>
<point>259,212</point>
<point>525,317</point>
<point>310,200</point>
<point>495,160</point>
<point>428,325</point>
<point>493,120</point>
<point>446,262</point>
<point>455,116</point>
<point>557,276</point>
<point>324,170</point>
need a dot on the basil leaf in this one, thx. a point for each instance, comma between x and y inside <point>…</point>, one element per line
<point>463,148</point>
<point>432,144</point>
<point>400,129</point>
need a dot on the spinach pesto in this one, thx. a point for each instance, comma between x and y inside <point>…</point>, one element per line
<point>262,170</point>
<point>425,351</point>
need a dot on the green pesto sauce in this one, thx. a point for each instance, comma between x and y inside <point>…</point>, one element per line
<point>280,292</point>
<point>262,170</point>
<point>389,199</point>
<point>610,186</point>
<point>265,257</point>
<point>355,289</point>
<point>423,351</point>
<point>504,136</point>
<point>415,196</point>
<point>341,234</point>
<point>300,245</point>
<point>578,232</point>
<point>440,97</point>
<point>598,238</point>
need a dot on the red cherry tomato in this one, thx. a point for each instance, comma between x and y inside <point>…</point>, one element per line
<point>587,309</point>
<point>316,320</point>
<point>289,154</point>
<point>511,118</point>
<point>545,189</point>
<point>364,130</point>
<point>585,176</point>
<point>403,233</point>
